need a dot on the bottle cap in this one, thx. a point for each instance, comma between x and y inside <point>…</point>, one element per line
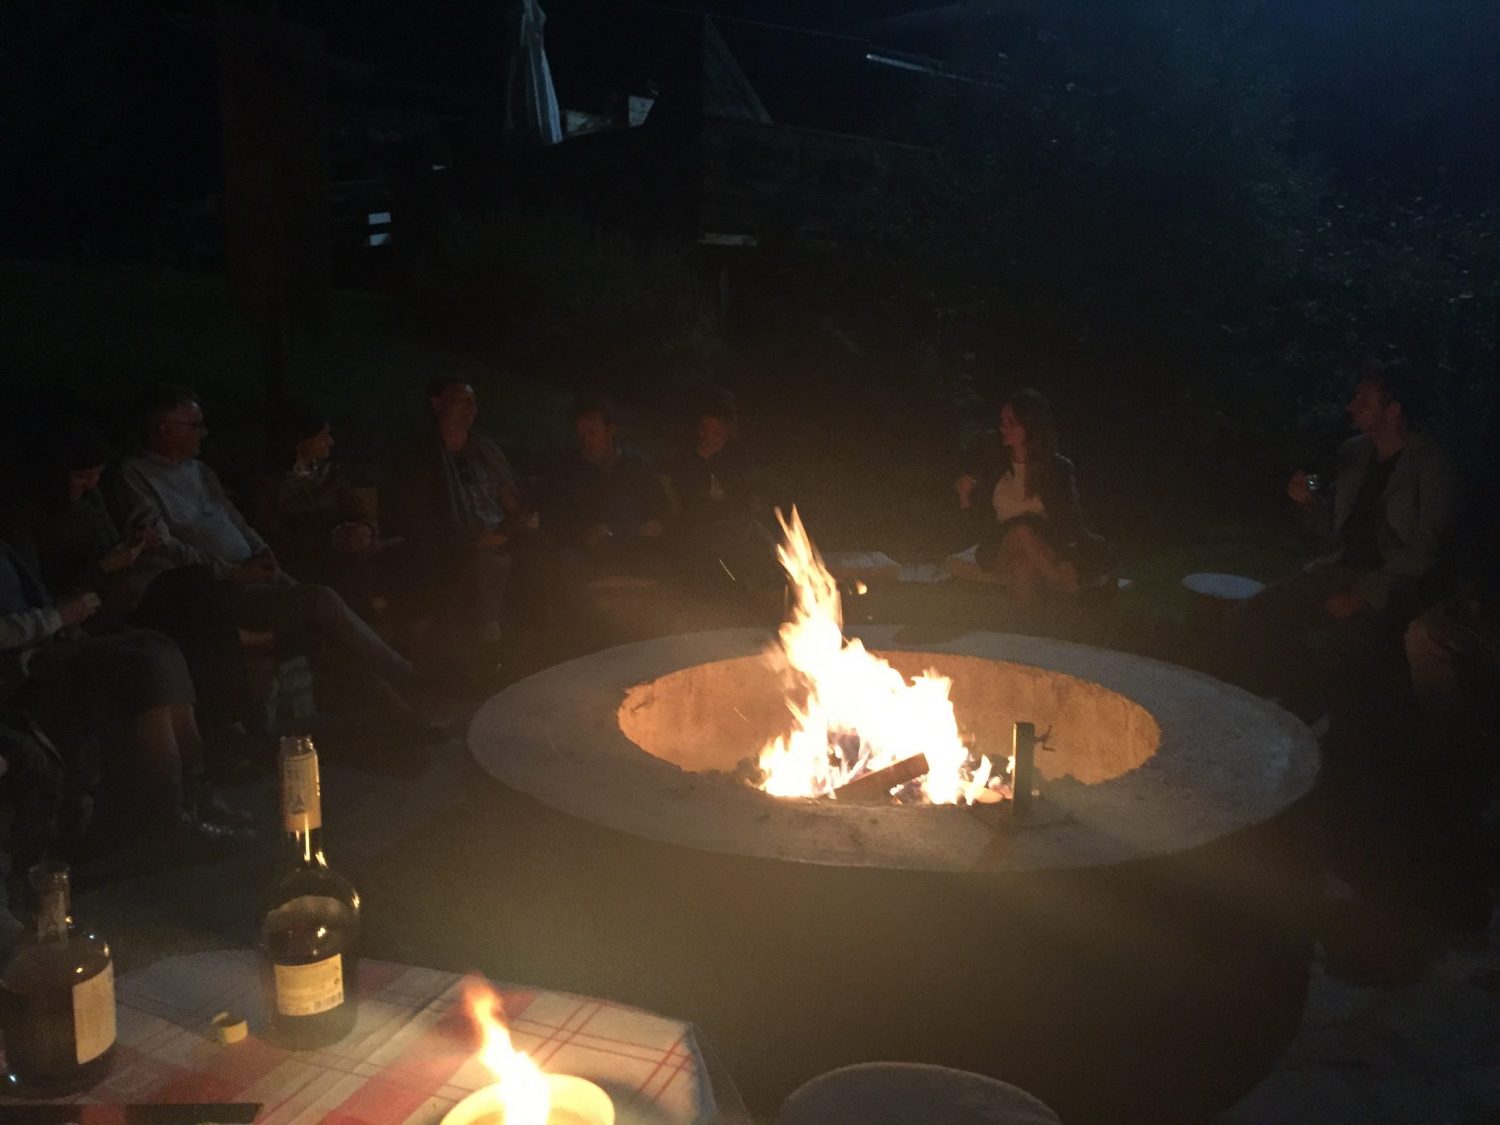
<point>229,1028</point>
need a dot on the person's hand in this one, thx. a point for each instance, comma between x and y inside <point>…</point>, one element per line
<point>1299,490</point>
<point>651,529</point>
<point>964,486</point>
<point>122,556</point>
<point>1342,606</point>
<point>79,608</point>
<point>493,540</point>
<point>353,537</point>
<point>597,534</point>
<point>257,568</point>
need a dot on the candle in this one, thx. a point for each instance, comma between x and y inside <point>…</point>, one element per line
<point>574,1101</point>
<point>523,1095</point>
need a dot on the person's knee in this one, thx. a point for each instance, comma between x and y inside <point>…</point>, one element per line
<point>1019,550</point>
<point>1023,537</point>
<point>1428,660</point>
<point>1416,640</point>
<point>322,603</point>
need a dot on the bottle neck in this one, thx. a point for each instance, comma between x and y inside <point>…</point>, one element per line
<point>53,900</point>
<point>301,802</point>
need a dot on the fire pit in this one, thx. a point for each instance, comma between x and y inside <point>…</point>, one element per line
<point>1137,953</point>
<point>1141,953</point>
<point>1140,758</point>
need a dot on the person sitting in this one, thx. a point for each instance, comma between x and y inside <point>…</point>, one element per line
<point>1020,496</point>
<point>308,510</point>
<point>1384,527</point>
<point>177,500</point>
<point>453,495</point>
<point>605,504</point>
<point>67,535</point>
<point>129,691</point>
<point>1453,662</point>
<point>718,525</point>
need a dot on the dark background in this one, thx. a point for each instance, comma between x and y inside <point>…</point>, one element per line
<point>1187,222</point>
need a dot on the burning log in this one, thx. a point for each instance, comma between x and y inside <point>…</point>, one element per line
<point>876,785</point>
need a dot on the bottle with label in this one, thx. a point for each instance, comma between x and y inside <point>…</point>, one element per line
<point>309,929</point>
<point>57,998</point>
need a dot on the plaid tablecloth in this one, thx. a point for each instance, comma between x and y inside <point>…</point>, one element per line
<point>409,1058</point>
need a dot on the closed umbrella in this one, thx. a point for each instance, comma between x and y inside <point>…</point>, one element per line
<point>531,116</point>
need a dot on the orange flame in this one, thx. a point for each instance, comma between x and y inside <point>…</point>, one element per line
<point>860,713</point>
<point>519,1082</point>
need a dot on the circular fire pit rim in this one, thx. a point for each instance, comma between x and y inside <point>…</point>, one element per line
<point>1227,760</point>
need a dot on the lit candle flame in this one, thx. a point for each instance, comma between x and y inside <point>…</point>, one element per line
<point>519,1082</point>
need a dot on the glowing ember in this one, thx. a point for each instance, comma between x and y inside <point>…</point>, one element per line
<point>860,714</point>
<point>519,1082</point>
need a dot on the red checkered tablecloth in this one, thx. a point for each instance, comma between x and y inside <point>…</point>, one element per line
<point>409,1058</point>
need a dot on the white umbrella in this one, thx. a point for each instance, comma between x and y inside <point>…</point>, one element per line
<point>531,115</point>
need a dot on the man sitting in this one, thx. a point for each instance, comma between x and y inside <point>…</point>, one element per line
<point>453,496</point>
<point>1385,525</point>
<point>179,501</point>
<point>604,503</point>
<point>721,525</point>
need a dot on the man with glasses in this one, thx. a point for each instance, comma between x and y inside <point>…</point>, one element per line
<point>176,499</point>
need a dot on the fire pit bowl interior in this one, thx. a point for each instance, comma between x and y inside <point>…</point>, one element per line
<point>710,716</point>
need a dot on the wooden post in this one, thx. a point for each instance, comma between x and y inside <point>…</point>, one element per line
<point>276,207</point>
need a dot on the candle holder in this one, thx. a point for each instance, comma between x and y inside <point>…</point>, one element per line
<point>574,1101</point>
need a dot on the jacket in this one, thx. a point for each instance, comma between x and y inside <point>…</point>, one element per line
<point>1417,510</point>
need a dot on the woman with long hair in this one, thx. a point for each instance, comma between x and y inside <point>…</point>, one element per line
<point>1022,496</point>
<point>310,512</point>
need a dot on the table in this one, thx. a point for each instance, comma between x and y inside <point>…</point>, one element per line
<point>409,1058</point>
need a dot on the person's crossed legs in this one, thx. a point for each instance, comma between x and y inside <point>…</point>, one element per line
<point>293,609</point>
<point>1031,566</point>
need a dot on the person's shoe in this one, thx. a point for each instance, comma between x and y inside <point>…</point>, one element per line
<point>211,807</point>
<point>193,831</point>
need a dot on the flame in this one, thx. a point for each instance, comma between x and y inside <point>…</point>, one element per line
<point>860,714</point>
<point>519,1082</point>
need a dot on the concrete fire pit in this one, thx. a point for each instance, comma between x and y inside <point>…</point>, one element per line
<point>1141,953</point>
<point>1143,758</point>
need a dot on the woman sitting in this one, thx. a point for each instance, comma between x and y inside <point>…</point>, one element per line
<point>312,515</point>
<point>1022,495</point>
<point>127,692</point>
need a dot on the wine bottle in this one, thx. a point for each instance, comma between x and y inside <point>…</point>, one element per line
<point>309,931</point>
<point>57,998</point>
